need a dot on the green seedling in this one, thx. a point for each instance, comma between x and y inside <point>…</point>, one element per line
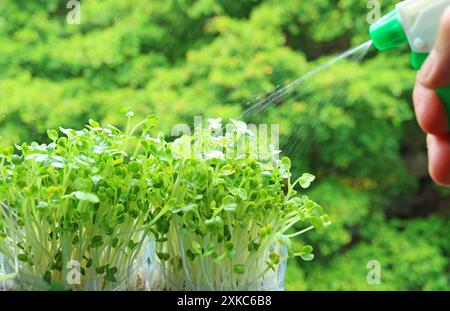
<point>230,219</point>
<point>76,212</point>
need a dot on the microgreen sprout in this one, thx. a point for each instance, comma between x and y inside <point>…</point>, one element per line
<point>218,210</point>
<point>230,217</point>
<point>75,212</point>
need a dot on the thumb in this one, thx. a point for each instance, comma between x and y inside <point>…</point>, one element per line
<point>435,72</point>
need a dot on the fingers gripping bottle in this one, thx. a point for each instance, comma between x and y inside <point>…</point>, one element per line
<point>413,22</point>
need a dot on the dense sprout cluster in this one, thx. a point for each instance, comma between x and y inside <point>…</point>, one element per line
<point>229,211</point>
<point>79,202</point>
<point>93,199</point>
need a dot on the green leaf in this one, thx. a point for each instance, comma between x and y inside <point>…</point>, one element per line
<point>285,167</point>
<point>229,249</point>
<point>150,122</point>
<point>215,255</point>
<point>89,263</point>
<point>252,247</point>
<point>127,111</point>
<point>133,167</point>
<point>229,203</point>
<point>264,231</point>
<point>316,210</point>
<point>191,255</point>
<point>163,256</point>
<point>305,180</point>
<point>286,162</point>
<point>209,249</point>
<point>22,257</point>
<point>317,222</point>
<point>197,248</point>
<point>93,123</point>
<point>239,269</point>
<point>86,196</point>
<point>306,253</point>
<point>96,241</point>
<point>114,242</point>
<point>131,244</point>
<point>274,258</point>
<point>214,224</point>
<point>242,194</point>
<point>307,257</point>
<point>47,277</point>
<point>52,134</point>
<point>266,176</point>
<point>112,270</point>
<point>100,270</point>
<point>191,207</point>
<point>326,221</point>
<point>227,170</point>
<point>163,226</point>
<point>110,277</point>
<point>307,249</point>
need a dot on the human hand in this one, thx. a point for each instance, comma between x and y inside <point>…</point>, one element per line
<point>430,111</point>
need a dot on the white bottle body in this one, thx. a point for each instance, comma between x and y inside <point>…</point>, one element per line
<point>420,20</point>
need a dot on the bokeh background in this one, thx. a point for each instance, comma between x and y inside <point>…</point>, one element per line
<point>351,125</point>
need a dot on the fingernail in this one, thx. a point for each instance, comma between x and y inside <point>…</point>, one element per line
<point>427,69</point>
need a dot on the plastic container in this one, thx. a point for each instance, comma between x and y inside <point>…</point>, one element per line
<point>159,278</point>
<point>129,279</point>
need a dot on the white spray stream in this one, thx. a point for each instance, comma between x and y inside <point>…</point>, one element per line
<point>358,53</point>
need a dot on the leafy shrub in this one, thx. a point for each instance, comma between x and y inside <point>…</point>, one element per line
<point>408,261</point>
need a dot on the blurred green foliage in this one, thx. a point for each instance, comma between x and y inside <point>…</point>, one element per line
<point>352,124</point>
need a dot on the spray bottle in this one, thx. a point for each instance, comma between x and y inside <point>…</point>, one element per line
<point>413,22</point>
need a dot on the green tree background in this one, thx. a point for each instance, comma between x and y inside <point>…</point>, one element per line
<point>351,125</point>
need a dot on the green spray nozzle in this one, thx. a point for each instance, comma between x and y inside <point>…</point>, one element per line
<point>388,33</point>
